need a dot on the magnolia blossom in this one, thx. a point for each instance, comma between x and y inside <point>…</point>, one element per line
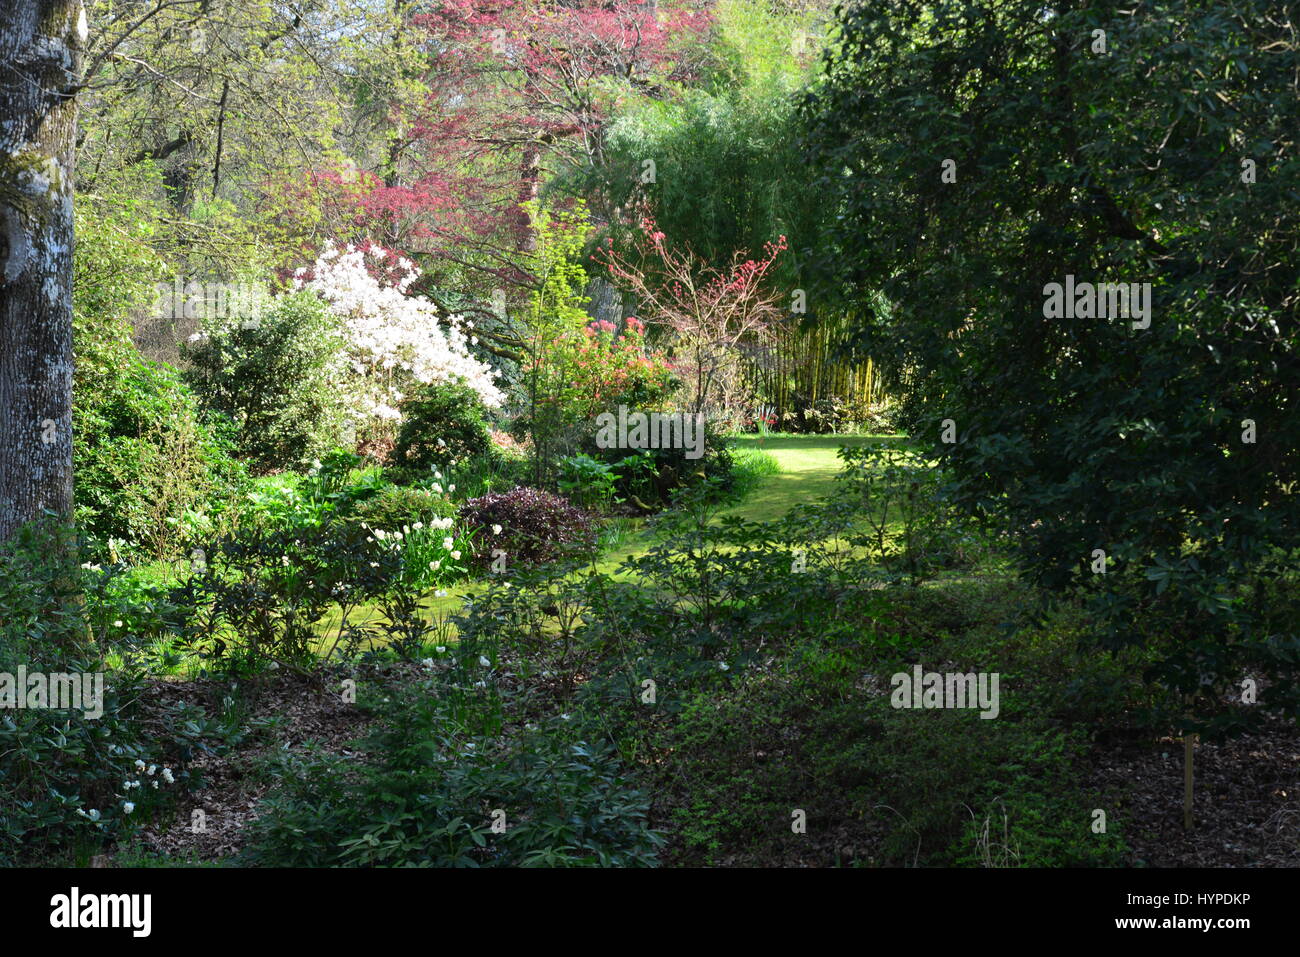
<point>392,336</point>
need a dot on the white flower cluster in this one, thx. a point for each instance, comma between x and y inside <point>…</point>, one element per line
<point>396,537</point>
<point>393,338</point>
<point>128,807</point>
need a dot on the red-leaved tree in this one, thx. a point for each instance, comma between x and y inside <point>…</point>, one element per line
<point>517,88</point>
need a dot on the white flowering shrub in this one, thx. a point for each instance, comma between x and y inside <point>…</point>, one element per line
<point>393,340</point>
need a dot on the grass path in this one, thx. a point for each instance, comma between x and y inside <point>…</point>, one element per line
<point>809,464</point>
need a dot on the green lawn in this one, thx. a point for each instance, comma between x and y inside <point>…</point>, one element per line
<point>808,463</point>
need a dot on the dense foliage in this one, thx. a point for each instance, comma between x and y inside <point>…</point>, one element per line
<point>276,375</point>
<point>991,150</point>
<point>442,423</point>
<point>451,404</point>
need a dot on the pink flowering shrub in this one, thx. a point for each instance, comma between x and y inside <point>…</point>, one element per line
<point>602,368</point>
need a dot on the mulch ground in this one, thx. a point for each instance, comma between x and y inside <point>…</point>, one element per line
<point>300,710</point>
<point>1246,799</point>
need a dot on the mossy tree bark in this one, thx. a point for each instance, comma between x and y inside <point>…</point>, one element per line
<point>41,44</point>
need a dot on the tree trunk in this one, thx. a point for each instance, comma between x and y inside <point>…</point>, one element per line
<point>530,182</point>
<point>605,302</point>
<point>41,43</point>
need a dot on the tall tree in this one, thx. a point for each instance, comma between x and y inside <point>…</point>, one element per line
<point>41,44</point>
<point>1143,444</point>
<point>517,90</point>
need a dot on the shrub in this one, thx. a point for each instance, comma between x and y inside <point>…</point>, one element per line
<point>332,489</point>
<point>128,610</point>
<point>442,423</point>
<point>150,469</point>
<point>652,475</point>
<point>277,378</point>
<point>393,340</point>
<point>535,526</point>
<point>40,618</point>
<point>587,481</point>
<point>1158,438</point>
<point>263,595</point>
<point>114,273</point>
<point>826,415</point>
<point>65,777</point>
<point>398,505</point>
